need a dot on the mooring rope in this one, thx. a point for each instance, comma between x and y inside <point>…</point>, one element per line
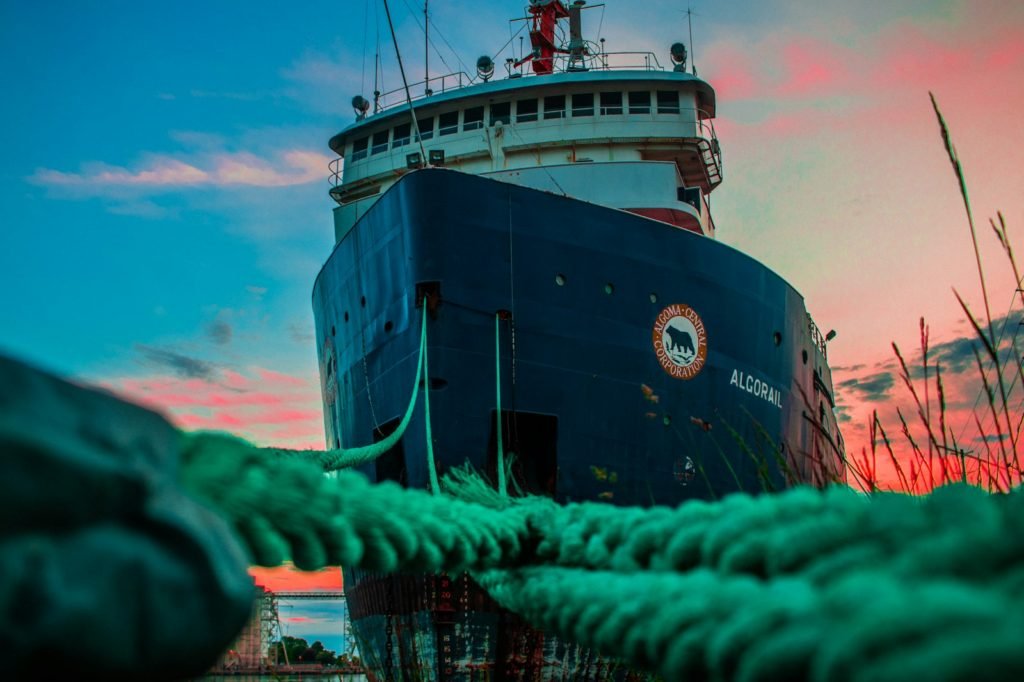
<point>344,458</point>
<point>803,584</point>
<point>502,486</point>
<point>435,486</point>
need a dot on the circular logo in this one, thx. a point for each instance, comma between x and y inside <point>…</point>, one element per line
<point>680,341</point>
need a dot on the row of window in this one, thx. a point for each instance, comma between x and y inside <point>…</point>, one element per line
<point>526,110</point>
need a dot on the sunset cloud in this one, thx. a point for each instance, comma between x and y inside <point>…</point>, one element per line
<point>163,172</point>
<point>263,405</point>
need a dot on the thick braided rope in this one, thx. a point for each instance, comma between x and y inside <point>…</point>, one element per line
<point>703,625</point>
<point>957,531</point>
<point>285,507</point>
<point>800,585</point>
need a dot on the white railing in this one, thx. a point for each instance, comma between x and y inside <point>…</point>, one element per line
<point>601,61</point>
<point>817,337</point>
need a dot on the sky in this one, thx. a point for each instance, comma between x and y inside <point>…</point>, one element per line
<point>163,186</point>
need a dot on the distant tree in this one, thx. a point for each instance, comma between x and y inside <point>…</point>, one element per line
<point>326,657</point>
<point>295,647</point>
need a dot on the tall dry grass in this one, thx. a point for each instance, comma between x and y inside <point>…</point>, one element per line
<point>935,457</point>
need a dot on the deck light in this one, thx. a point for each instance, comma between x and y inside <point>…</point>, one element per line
<point>831,335</point>
<point>485,67</point>
<point>414,161</point>
<point>678,52</point>
<point>361,105</point>
<point>436,157</point>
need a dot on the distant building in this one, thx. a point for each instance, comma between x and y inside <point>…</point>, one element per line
<point>249,653</point>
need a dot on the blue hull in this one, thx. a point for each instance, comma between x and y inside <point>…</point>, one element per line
<point>597,402</point>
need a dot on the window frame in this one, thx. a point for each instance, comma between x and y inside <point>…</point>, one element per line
<point>449,128</point>
<point>669,108</point>
<point>586,109</point>
<point>552,114</point>
<point>475,123</point>
<point>505,119</point>
<point>638,108</point>
<point>611,109</point>
<point>380,147</point>
<point>529,116</point>
<point>359,153</point>
<point>422,134</point>
<point>398,142</point>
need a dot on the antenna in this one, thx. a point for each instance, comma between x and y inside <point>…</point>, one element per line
<point>426,51</point>
<point>689,21</point>
<point>401,69</point>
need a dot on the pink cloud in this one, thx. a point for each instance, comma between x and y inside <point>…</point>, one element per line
<point>160,171</point>
<point>732,72</point>
<point>289,579</point>
<point>284,412</point>
<point>289,167</point>
<point>272,378</point>
<point>812,68</point>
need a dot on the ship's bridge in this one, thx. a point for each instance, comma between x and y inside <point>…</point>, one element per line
<point>637,140</point>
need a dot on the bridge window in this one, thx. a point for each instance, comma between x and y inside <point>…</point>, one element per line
<point>526,110</point>
<point>380,142</point>
<point>611,103</point>
<point>639,102</point>
<point>473,118</point>
<point>554,106</point>
<point>426,127</point>
<point>668,102</point>
<point>448,124</point>
<point>403,135</point>
<point>583,104</point>
<point>359,148</point>
<point>501,112</point>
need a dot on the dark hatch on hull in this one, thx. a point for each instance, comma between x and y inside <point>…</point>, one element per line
<point>532,441</point>
<point>391,465</point>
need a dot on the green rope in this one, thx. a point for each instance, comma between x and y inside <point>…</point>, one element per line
<point>800,585</point>
<point>345,458</point>
<point>805,584</point>
<point>497,374</point>
<point>435,486</point>
<point>284,507</point>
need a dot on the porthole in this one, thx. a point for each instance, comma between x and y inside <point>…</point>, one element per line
<point>346,316</point>
<point>777,337</point>
<point>653,297</point>
<point>560,280</point>
<point>609,289</point>
<point>666,420</point>
<point>362,301</point>
<point>388,326</point>
<point>805,357</point>
<point>332,330</point>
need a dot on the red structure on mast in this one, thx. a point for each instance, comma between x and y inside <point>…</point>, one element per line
<point>545,15</point>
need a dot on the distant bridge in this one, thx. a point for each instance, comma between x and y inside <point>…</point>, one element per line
<point>296,596</point>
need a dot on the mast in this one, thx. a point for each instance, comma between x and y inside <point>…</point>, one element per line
<point>689,21</point>
<point>426,50</point>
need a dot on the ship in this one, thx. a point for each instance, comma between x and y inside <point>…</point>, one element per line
<point>553,226</point>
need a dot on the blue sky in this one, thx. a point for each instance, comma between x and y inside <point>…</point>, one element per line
<point>163,182</point>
